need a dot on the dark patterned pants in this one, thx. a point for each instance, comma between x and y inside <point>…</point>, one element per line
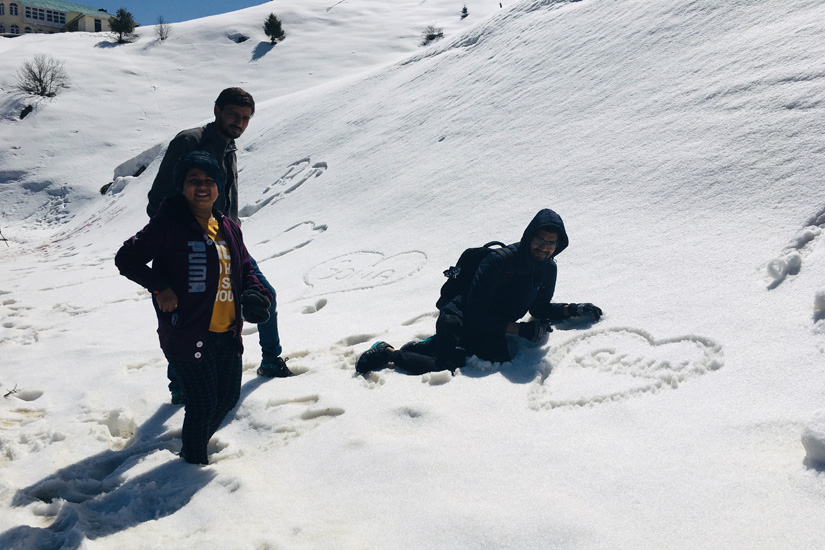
<point>442,351</point>
<point>212,388</point>
<point>449,348</point>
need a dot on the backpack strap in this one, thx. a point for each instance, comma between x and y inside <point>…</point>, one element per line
<point>502,252</point>
<point>508,255</point>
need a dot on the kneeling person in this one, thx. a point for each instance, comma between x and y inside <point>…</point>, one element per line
<point>508,284</point>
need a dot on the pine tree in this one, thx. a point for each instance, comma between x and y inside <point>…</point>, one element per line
<point>123,25</point>
<point>273,29</point>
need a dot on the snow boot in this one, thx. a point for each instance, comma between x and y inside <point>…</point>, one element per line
<point>275,369</point>
<point>374,358</point>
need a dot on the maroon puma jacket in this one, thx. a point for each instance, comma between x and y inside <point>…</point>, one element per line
<point>185,259</point>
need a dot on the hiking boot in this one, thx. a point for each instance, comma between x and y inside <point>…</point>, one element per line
<point>374,358</point>
<point>178,397</point>
<point>275,369</point>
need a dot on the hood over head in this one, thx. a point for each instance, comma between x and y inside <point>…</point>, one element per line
<point>550,221</point>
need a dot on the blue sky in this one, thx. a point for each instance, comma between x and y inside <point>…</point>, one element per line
<point>146,12</point>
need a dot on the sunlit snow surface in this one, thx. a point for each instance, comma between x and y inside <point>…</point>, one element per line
<point>682,142</point>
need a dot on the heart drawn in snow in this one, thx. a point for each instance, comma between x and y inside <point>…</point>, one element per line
<point>619,363</point>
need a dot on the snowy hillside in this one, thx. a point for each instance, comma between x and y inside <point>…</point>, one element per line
<point>683,144</point>
<point>152,88</point>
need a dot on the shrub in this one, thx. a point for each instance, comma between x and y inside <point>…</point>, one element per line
<point>431,34</point>
<point>123,25</point>
<point>273,29</point>
<point>162,29</point>
<point>43,76</point>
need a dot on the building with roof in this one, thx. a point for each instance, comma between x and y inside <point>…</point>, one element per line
<point>48,16</point>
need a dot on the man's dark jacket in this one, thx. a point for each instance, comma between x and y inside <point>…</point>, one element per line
<point>184,258</point>
<point>507,286</point>
<point>206,139</point>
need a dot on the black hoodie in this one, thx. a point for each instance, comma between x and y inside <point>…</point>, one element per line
<point>506,287</point>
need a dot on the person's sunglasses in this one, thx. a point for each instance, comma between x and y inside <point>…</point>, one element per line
<point>538,241</point>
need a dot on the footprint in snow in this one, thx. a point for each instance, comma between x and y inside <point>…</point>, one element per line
<point>312,410</point>
<point>25,395</point>
<point>23,429</point>
<point>115,427</point>
<point>280,420</point>
<point>789,262</point>
<point>819,319</point>
<point>356,339</point>
<point>103,473</point>
<point>113,496</point>
<point>315,307</point>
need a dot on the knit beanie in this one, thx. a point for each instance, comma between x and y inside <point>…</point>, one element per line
<point>202,160</point>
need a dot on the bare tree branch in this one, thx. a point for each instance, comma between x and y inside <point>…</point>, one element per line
<point>162,29</point>
<point>43,76</point>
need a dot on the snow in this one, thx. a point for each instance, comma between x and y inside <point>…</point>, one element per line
<point>682,143</point>
<point>813,438</point>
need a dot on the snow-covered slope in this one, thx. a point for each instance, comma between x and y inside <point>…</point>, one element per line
<point>126,98</point>
<point>682,143</point>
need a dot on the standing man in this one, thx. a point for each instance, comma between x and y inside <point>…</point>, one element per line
<point>233,110</point>
<point>508,283</point>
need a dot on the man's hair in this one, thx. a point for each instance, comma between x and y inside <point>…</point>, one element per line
<point>235,96</point>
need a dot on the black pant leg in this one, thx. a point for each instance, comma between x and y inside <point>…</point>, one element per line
<point>199,384</point>
<point>414,363</point>
<point>489,347</point>
<point>228,376</point>
<point>449,330</point>
<point>443,352</point>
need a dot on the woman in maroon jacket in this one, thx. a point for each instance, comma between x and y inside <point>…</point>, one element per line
<point>203,285</point>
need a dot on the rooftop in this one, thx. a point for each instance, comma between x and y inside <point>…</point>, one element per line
<point>58,5</point>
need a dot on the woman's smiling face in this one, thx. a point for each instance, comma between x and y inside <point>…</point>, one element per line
<point>200,190</point>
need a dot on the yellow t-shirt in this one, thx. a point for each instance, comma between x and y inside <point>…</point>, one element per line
<point>223,312</point>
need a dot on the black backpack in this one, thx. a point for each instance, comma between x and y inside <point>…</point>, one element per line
<point>461,274</point>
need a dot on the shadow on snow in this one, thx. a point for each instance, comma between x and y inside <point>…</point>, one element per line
<point>261,50</point>
<point>93,498</point>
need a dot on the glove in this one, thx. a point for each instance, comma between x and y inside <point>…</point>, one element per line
<point>254,307</point>
<point>533,331</point>
<point>584,310</point>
